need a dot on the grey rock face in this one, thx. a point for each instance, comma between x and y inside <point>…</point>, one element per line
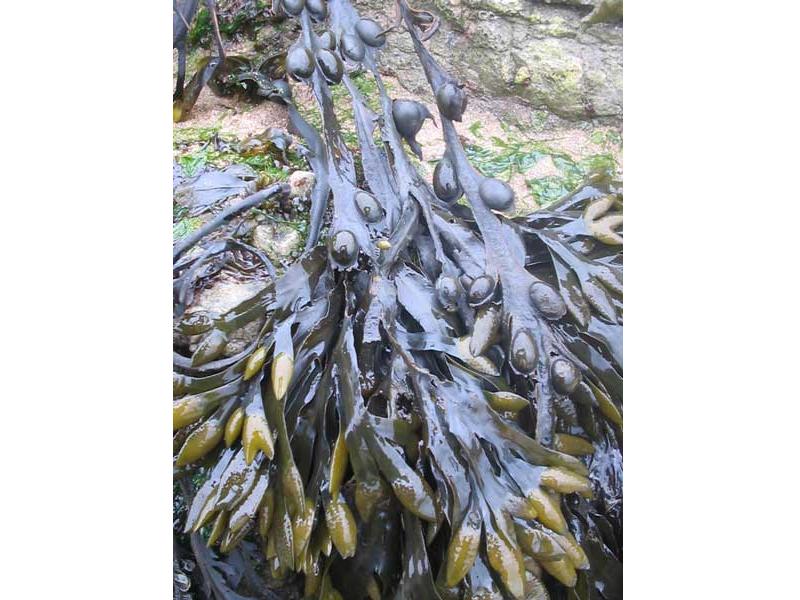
<point>539,52</point>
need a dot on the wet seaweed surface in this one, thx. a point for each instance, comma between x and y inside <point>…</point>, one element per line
<point>432,407</point>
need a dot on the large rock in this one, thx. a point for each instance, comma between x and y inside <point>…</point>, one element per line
<point>225,293</point>
<point>539,52</point>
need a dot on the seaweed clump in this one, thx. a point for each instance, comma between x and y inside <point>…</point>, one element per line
<point>432,407</point>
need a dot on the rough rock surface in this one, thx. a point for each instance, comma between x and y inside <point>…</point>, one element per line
<point>279,241</point>
<point>302,183</point>
<point>222,295</point>
<point>537,51</point>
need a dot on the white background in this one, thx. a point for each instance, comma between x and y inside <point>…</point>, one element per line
<point>711,136</point>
